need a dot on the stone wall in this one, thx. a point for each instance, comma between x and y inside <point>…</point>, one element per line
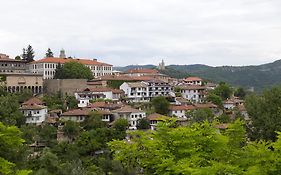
<point>65,86</point>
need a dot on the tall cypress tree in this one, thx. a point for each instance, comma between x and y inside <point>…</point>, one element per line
<point>28,54</point>
<point>49,53</point>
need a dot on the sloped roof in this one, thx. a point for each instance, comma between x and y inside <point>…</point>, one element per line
<point>136,84</point>
<point>33,100</point>
<point>181,107</point>
<point>204,105</point>
<point>76,112</point>
<point>65,60</point>
<point>193,79</point>
<point>148,71</point>
<point>156,116</point>
<point>126,109</point>
<point>32,107</point>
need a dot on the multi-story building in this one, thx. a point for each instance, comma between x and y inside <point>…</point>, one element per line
<point>88,94</point>
<point>11,65</point>
<point>47,66</point>
<point>194,93</point>
<point>131,114</point>
<point>193,81</point>
<point>145,90</point>
<point>34,110</point>
<point>135,91</point>
<point>158,88</point>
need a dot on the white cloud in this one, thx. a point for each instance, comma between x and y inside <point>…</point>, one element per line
<point>218,32</point>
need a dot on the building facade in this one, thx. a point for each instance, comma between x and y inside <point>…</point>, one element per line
<point>8,65</point>
<point>48,66</point>
<point>194,93</point>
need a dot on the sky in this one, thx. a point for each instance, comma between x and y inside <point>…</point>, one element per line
<point>124,32</point>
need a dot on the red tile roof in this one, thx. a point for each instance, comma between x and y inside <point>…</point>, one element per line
<point>65,60</point>
<point>206,105</point>
<point>193,79</point>
<point>126,109</point>
<point>148,71</point>
<point>181,107</point>
<point>158,117</point>
<point>76,112</point>
<point>33,100</point>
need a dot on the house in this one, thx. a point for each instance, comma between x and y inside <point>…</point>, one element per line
<point>228,104</point>
<point>193,81</point>
<point>145,90</point>
<point>95,93</point>
<point>141,72</point>
<point>129,113</point>
<point>79,115</point>
<point>103,105</point>
<point>47,66</point>
<point>158,88</point>
<point>10,65</point>
<point>194,93</point>
<point>155,118</point>
<point>180,110</point>
<point>34,110</point>
<point>135,91</point>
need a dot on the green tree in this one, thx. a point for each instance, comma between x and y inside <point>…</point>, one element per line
<point>214,99</point>
<point>17,58</point>
<point>223,90</point>
<point>93,121</point>
<point>143,124</point>
<point>10,144</point>
<point>201,115</point>
<point>240,92</point>
<point>71,129</point>
<point>264,111</point>
<point>28,54</point>
<point>73,70</point>
<point>161,105</point>
<point>49,53</point>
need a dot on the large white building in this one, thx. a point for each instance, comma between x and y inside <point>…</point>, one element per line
<point>145,90</point>
<point>47,66</point>
<point>194,93</point>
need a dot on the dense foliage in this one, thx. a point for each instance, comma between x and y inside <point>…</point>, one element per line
<point>161,105</point>
<point>265,113</point>
<point>197,149</point>
<point>73,70</point>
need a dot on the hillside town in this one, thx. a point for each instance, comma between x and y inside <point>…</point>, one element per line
<point>112,94</point>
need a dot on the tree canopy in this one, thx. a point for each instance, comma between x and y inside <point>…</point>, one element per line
<point>161,105</point>
<point>49,53</point>
<point>73,70</point>
<point>28,54</point>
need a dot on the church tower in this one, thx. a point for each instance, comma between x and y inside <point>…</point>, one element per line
<point>62,53</point>
<point>161,65</point>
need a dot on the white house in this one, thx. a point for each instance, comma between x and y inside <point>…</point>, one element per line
<point>180,110</point>
<point>47,66</point>
<point>193,81</point>
<point>131,114</point>
<point>79,115</point>
<point>34,110</point>
<point>88,94</point>
<point>194,93</point>
<point>135,91</point>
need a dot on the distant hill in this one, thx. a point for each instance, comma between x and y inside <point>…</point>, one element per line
<point>149,66</point>
<point>259,76</point>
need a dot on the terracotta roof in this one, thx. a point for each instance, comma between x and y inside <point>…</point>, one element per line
<point>33,100</point>
<point>181,107</point>
<point>193,79</point>
<point>101,89</point>
<point>32,107</point>
<point>126,109</point>
<point>6,58</point>
<point>76,112</point>
<point>192,87</point>
<point>104,105</point>
<point>156,116</point>
<point>116,77</point>
<point>205,105</point>
<point>137,84</point>
<point>65,60</point>
<point>228,102</point>
<point>148,71</point>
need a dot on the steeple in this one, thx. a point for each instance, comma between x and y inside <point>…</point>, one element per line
<point>161,65</point>
<point>62,53</point>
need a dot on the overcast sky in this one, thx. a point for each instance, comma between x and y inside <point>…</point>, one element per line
<point>122,32</point>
